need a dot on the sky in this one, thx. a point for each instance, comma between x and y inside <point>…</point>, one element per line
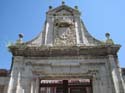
<point>28,16</point>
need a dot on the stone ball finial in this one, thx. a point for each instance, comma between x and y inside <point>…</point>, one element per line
<point>20,35</point>
<point>76,7</point>
<point>63,2</point>
<point>50,7</point>
<point>107,35</point>
<point>20,40</point>
<point>109,41</point>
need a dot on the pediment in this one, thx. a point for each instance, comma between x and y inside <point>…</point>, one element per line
<point>64,12</point>
<point>63,9</point>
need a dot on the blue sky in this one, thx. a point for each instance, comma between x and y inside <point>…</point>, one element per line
<point>28,16</point>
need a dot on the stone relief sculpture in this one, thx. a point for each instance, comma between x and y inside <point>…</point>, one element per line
<point>64,32</point>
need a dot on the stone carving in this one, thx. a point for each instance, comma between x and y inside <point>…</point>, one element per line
<point>64,13</point>
<point>64,32</point>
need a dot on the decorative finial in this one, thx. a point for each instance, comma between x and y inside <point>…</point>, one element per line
<point>20,36</point>
<point>76,7</point>
<point>107,35</point>
<point>50,7</point>
<point>19,41</point>
<point>109,41</point>
<point>63,2</point>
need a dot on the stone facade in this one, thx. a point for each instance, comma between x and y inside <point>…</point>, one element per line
<point>64,50</point>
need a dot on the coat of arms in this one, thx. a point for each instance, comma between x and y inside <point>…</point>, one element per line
<point>64,32</point>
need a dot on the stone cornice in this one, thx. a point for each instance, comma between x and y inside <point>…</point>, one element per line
<point>56,51</point>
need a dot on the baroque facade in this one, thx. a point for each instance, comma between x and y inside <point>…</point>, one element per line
<point>63,58</point>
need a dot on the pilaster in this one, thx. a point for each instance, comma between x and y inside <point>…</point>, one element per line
<point>14,74</point>
<point>116,77</point>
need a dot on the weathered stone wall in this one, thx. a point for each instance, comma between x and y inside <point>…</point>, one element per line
<point>4,80</point>
<point>123,73</point>
<point>73,67</point>
<point>1,88</point>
